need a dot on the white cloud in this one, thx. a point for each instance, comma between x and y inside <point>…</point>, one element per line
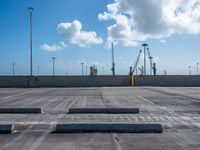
<point>72,32</point>
<point>162,41</point>
<point>63,44</point>
<point>50,48</point>
<point>54,47</point>
<point>146,19</point>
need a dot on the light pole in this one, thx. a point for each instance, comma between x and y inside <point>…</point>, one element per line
<point>82,67</point>
<point>13,67</point>
<point>86,69</point>
<point>102,70</point>
<point>53,58</point>
<point>38,68</point>
<point>190,72</point>
<point>197,68</point>
<point>113,60</point>
<point>31,62</point>
<point>144,45</point>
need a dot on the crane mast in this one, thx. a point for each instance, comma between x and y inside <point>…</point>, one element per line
<point>136,63</point>
<point>143,69</point>
<point>150,60</point>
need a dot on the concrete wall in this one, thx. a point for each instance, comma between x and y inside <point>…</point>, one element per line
<point>169,80</point>
<point>16,81</point>
<point>64,81</point>
<point>98,81</point>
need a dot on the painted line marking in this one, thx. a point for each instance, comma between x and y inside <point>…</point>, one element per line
<point>160,107</point>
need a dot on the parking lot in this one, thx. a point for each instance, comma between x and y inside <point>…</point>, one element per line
<point>176,109</point>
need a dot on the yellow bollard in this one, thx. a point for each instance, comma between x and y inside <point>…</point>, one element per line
<point>133,80</point>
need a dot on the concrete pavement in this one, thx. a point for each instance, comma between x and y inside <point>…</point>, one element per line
<point>177,109</point>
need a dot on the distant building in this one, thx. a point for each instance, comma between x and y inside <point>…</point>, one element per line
<point>93,71</point>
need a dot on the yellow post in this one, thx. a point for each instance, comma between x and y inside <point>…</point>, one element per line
<point>133,80</point>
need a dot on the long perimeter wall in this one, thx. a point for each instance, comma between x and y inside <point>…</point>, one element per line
<point>64,81</point>
<point>99,81</point>
<point>168,80</point>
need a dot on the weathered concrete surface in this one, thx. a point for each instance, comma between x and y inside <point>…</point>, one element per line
<point>103,110</point>
<point>177,109</point>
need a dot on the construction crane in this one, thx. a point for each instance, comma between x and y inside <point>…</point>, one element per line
<point>132,70</point>
<point>154,69</point>
<point>141,70</point>
<point>150,60</point>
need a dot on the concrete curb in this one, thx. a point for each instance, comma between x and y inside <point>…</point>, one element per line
<point>104,110</point>
<point>20,110</point>
<point>108,128</point>
<point>6,128</point>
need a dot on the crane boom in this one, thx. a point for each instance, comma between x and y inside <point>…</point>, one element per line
<point>150,59</point>
<point>148,52</point>
<point>136,63</point>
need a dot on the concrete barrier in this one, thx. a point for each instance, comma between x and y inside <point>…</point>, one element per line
<point>103,110</point>
<point>64,81</point>
<point>108,128</point>
<point>6,128</point>
<point>20,110</point>
<point>100,81</point>
<point>169,80</point>
<point>79,81</point>
<point>14,81</point>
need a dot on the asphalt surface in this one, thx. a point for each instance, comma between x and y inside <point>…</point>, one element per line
<point>177,109</point>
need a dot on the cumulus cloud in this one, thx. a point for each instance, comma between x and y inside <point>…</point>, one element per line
<point>54,47</point>
<point>62,44</point>
<point>150,19</point>
<point>162,41</point>
<point>72,32</point>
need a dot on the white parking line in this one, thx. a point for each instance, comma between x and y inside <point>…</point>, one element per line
<point>160,107</point>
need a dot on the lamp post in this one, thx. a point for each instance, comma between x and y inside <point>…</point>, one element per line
<point>31,62</point>
<point>13,68</point>
<point>197,68</point>
<point>82,67</point>
<point>86,69</point>
<point>38,69</point>
<point>113,60</point>
<point>144,45</point>
<point>190,72</point>
<point>53,58</point>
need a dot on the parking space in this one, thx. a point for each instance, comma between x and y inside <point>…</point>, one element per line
<point>176,109</point>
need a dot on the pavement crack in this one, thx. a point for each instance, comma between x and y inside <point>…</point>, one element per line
<point>117,141</point>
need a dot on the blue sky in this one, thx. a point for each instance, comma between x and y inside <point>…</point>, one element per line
<point>173,52</point>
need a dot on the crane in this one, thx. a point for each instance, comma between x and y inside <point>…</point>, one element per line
<point>136,63</point>
<point>141,70</point>
<point>150,60</point>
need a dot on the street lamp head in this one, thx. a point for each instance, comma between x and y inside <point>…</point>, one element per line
<point>145,44</point>
<point>53,57</point>
<point>30,9</point>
